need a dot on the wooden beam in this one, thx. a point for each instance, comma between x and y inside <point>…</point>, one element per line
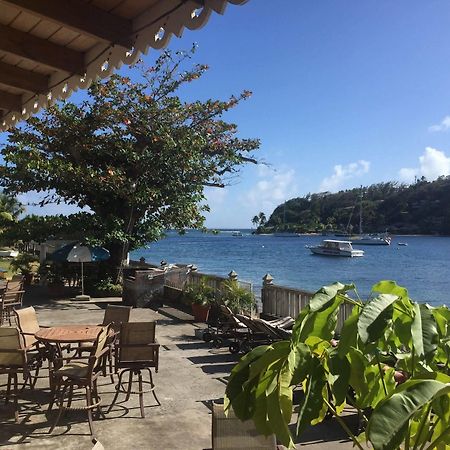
<point>40,50</point>
<point>10,102</point>
<point>82,17</point>
<point>23,79</point>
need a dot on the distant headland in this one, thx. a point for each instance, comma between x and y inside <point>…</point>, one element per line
<point>419,208</point>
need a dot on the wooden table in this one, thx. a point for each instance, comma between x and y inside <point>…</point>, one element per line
<point>68,334</point>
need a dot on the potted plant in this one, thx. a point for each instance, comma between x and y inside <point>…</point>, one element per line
<point>237,298</point>
<point>28,266</point>
<point>200,296</point>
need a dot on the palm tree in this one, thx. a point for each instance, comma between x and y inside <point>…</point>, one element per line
<point>255,221</point>
<point>262,218</point>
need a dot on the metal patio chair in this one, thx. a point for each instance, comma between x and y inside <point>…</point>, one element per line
<point>82,373</point>
<point>137,350</point>
<point>13,361</point>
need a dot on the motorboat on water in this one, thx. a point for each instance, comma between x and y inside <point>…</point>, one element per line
<point>331,247</point>
<point>371,239</point>
<point>236,233</point>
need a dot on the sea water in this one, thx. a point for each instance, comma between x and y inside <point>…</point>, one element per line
<point>422,266</point>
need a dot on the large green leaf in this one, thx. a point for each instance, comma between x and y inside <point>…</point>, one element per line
<point>374,317</point>
<point>358,364</point>
<point>321,323</point>
<point>312,403</point>
<point>390,287</point>
<point>299,361</point>
<point>389,421</point>
<point>274,352</point>
<point>325,295</point>
<point>349,332</point>
<point>279,406</point>
<point>260,415</point>
<point>339,376</point>
<point>424,332</point>
<point>239,392</point>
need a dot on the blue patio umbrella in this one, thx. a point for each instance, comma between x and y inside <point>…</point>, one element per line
<point>77,252</point>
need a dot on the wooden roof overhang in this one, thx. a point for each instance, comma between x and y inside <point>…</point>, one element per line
<point>50,48</point>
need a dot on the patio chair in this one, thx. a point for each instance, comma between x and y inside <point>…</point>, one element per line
<point>115,315</point>
<point>81,373</point>
<point>28,325</point>
<point>13,360</point>
<point>137,350</point>
<point>230,433</point>
<point>11,298</point>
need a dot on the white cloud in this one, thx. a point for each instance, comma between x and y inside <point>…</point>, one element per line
<point>444,125</point>
<point>344,173</point>
<point>432,164</point>
<point>215,196</point>
<point>273,187</point>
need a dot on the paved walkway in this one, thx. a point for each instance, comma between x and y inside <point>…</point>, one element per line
<point>191,375</point>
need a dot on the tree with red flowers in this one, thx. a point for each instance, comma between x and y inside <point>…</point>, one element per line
<point>134,153</point>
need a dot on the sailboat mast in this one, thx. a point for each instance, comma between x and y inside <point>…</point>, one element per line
<point>360,210</point>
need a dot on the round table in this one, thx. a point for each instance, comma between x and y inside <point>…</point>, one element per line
<point>68,334</point>
<point>54,337</point>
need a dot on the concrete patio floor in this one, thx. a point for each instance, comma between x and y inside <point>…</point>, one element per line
<point>191,375</point>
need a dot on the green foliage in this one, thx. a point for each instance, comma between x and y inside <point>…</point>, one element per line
<point>135,154</point>
<point>107,288</point>
<point>26,263</point>
<point>421,208</point>
<point>392,358</point>
<point>201,293</point>
<point>237,298</point>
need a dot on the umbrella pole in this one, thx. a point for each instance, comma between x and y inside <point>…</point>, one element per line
<point>82,279</point>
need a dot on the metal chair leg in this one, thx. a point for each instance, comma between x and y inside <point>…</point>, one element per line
<point>61,408</point>
<point>118,387</point>
<point>141,394</point>
<point>130,384</point>
<point>153,387</point>
<point>89,410</point>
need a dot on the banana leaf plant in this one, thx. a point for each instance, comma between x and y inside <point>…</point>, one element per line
<point>389,361</point>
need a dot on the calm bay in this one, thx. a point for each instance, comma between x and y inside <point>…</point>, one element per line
<point>422,266</point>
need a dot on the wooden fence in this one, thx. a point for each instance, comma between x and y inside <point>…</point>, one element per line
<point>284,301</point>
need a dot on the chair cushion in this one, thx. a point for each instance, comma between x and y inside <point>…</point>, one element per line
<point>74,369</point>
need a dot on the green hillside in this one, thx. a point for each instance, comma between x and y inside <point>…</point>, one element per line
<point>421,208</point>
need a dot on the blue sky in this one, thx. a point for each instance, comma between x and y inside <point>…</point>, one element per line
<point>344,94</point>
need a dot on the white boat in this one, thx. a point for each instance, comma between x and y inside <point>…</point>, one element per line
<point>8,253</point>
<point>371,239</point>
<point>331,247</point>
<point>236,233</point>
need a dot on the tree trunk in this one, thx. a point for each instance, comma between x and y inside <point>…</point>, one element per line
<point>112,268</point>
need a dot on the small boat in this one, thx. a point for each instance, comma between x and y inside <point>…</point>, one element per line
<point>403,244</point>
<point>331,247</point>
<point>236,233</point>
<point>372,239</point>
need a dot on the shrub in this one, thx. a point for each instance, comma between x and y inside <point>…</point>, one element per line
<point>200,294</point>
<point>26,263</point>
<point>236,297</point>
<point>107,288</point>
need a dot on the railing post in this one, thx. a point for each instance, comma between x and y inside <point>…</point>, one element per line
<point>265,296</point>
<point>233,275</point>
